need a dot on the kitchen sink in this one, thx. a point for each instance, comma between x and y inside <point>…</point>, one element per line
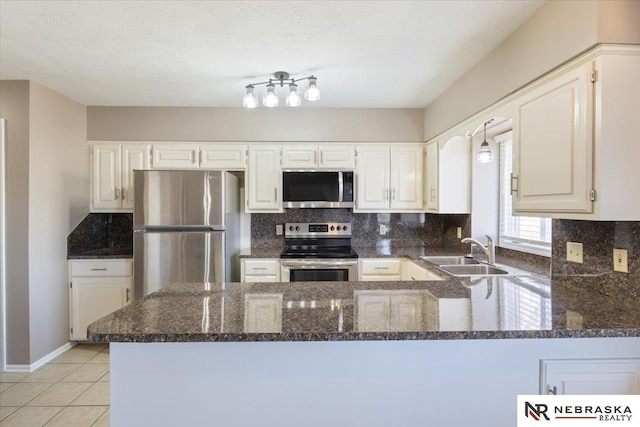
<point>449,260</point>
<point>473,270</point>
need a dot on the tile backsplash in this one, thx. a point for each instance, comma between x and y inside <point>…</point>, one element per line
<point>403,229</point>
<point>101,231</point>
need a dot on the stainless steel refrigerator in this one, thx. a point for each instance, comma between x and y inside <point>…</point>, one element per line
<point>186,228</point>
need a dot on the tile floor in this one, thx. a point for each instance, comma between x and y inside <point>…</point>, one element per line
<point>70,391</point>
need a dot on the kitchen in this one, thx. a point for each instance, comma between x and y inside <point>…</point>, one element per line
<point>29,239</point>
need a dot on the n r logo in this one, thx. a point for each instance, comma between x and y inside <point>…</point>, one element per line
<point>536,411</point>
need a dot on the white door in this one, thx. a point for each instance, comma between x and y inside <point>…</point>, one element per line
<point>406,177</point>
<point>176,156</point>
<point>93,298</point>
<point>337,156</point>
<point>431,177</point>
<point>133,157</point>
<point>552,145</point>
<point>228,157</point>
<point>303,157</point>
<point>372,177</point>
<point>105,176</point>
<point>590,376</point>
<point>264,179</point>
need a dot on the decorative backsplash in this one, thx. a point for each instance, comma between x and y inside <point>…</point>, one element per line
<point>100,231</point>
<point>403,229</point>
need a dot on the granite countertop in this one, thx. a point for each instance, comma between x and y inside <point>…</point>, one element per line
<point>516,306</point>
<point>104,253</point>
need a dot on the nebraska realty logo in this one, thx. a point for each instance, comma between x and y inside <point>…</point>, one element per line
<point>576,410</point>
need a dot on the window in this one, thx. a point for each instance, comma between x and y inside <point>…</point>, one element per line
<point>521,233</point>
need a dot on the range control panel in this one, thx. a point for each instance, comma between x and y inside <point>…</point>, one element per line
<point>328,229</point>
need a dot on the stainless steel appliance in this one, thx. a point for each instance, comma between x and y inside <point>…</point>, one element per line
<point>318,252</point>
<point>185,228</point>
<point>317,189</point>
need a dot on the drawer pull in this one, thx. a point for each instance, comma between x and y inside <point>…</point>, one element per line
<point>128,290</point>
<point>381,268</point>
<point>259,268</point>
<point>98,269</point>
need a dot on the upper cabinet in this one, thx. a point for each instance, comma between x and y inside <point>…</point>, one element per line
<point>447,182</point>
<point>264,179</point>
<point>389,177</point>
<point>575,140</point>
<point>336,156</point>
<point>199,156</point>
<point>112,166</point>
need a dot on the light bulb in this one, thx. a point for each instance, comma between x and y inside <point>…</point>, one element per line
<point>270,98</point>
<point>312,93</point>
<point>485,153</point>
<point>250,100</point>
<point>293,99</point>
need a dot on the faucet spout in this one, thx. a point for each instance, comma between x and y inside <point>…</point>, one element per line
<point>489,250</point>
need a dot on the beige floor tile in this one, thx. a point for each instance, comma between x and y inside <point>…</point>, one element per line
<point>77,416</point>
<point>30,417</point>
<point>100,358</point>
<point>52,373</point>
<point>5,386</point>
<point>75,355</point>
<point>103,421</point>
<point>60,394</point>
<point>105,377</point>
<point>5,411</point>
<point>12,377</point>
<point>96,395</point>
<point>21,393</point>
<point>97,347</point>
<point>89,372</point>
<point>106,350</point>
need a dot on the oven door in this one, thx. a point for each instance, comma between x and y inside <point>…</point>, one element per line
<point>318,270</point>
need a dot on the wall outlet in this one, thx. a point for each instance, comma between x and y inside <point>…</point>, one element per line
<point>383,229</point>
<point>278,229</point>
<point>620,260</point>
<point>459,232</point>
<point>574,252</point>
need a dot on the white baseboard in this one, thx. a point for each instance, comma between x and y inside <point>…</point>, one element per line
<point>43,360</point>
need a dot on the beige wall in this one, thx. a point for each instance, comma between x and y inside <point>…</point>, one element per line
<point>619,21</point>
<point>239,124</point>
<point>58,201</point>
<point>14,108</point>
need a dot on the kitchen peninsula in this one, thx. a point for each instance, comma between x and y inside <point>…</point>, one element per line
<point>208,354</point>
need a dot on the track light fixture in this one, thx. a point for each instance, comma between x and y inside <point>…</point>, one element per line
<point>280,78</point>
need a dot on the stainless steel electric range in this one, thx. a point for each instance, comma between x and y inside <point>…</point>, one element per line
<point>318,252</point>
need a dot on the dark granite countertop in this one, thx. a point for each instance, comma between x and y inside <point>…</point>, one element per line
<point>261,252</point>
<point>515,306</point>
<point>103,253</point>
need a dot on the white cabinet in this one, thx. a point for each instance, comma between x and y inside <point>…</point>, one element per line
<point>413,271</point>
<point>96,289</point>
<point>264,179</point>
<point>388,311</point>
<point>389,177</point>
<point>336,157</point>
<point>380,269</point>
<point>260,270</point>
<point>447,171</point>
<point>176,156</point>
<point>199,156</point>
<point>112,168</point>
<point>263,313</point>
<point>590,376</point>
<point>223,156</point>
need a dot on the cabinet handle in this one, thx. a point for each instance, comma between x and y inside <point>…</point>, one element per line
<point>98,269</point>
<point>433,194</point>
<point>200,157</point>
<point>514,188</point>
<point>321,157</point>
<point>381,268</point>
<point>275,194</point>
<point>122,193</point>
<point>117,196</point>
<point>393,194</point>
<point>413,278</point>
<point>315,155</point>
<point>128,290</point>
<point>552,390</point>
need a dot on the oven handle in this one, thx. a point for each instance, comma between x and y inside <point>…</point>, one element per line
<point>315,263</point>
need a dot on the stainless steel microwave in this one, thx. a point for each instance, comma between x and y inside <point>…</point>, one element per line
<point>317,189</point>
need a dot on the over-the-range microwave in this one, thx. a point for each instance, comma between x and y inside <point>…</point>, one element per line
<point>317,189</point>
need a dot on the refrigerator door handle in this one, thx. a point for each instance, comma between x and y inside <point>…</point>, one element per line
<point>181,229</point>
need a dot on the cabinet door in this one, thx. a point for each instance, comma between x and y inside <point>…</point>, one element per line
<point>260,270</point>
<point>264,179</point>
<point>406,177</point>
<point>93,298</point>
<point>372,178</point>
<point>176,156</point>
<point>304,157</point>
<point>406,313</point>
<point>552,158</point>
<point>337,157</point>
<point>431,177</point>
<point>263,313</point>
<point>105,177</point>
<point>133,157</point>
<point>590,376</point>
<point>228,157</point>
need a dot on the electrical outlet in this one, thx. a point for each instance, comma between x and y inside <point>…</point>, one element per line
<point>574,252</point>
<point>278,229</point>
<point>383,229</point>
<point>620,260</point>
<point>459,232</point>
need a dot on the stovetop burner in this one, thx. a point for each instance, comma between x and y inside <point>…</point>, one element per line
<point>318,240</point>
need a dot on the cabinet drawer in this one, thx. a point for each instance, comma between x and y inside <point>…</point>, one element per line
<point>107,267</point>
<point>260,267</point>
<point>382,266</point>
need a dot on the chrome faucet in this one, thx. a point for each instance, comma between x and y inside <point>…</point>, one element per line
<point>489,250</point>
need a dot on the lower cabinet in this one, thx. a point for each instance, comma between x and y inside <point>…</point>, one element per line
<point>590,376</point>
<point>389,311</point>
<point>260,270</point>
<point>380,269</point>
<point>96,289</point>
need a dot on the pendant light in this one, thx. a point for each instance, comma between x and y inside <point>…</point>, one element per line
<point>270,98</point>
<point>312,93</point>
<point>293,99</point>
<point>485,153</point>
<point>250,100</point>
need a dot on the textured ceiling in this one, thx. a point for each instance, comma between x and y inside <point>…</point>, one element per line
<point>394,54</point>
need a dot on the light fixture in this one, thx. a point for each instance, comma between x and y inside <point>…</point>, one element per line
<point>485,153</point>
<point>270,98</point>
